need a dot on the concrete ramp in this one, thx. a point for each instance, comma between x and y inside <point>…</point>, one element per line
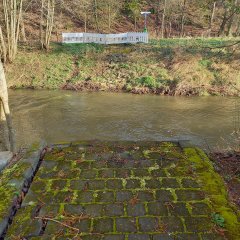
<point>5,157</point>
<point>125,191</point>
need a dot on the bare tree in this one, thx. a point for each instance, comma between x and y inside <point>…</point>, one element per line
<point>231,18</point>
<point>86,9</point>
<point>46,22</point>
<point>12,10</point>
<point>163,18</point>
<point>95,12</point>
<point>22,28</point>
<point>237,33</point>
<point>113,7</point>
<point>230,10</point>
<point>156,8</point>
<point>212,17</point>
<point>182,20</point>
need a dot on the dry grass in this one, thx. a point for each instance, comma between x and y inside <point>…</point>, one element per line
<point>174,67</point>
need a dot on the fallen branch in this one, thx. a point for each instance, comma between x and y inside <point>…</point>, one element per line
<point>235,87</point>
<point>224,46</point>
<point>56,221</point>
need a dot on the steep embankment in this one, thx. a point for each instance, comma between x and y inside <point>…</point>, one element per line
<point>170,67</point>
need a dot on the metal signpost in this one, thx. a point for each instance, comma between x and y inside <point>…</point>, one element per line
<point>145,21</point>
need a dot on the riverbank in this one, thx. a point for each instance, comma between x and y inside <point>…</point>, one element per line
<point>166,67</point>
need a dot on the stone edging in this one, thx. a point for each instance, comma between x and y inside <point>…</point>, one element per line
<point>5,157</point>
<point>214,186</point>
<point>14,183</point>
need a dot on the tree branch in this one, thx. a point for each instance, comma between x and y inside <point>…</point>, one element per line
<point>224,46</point>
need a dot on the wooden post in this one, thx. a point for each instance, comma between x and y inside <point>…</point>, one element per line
<point>5,116</point>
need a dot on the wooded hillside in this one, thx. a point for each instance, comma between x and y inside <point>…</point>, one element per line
<point>45,20</point>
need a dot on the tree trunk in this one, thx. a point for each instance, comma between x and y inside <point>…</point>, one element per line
<point>5,113</point>
<point>223,24</point>
<point>96,15</point>
<point>237,33</point>
<point>157,22</point>
<point>170,29</point>
<point>85,21</point>
<point>3,49</point>
<point>163,18</point>
<point>4,141</point>
<point>58,24</point>
<point>135,23</point>
<point>182,21</point>
<point>230,22</point>
<point>212,18</point>
<point>47,22</point>
<point>109,18</point>
<point>41,34</point>
<point>12,18</point>
<point>23,34</point>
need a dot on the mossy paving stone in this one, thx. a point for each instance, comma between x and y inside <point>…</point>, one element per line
<point>157,209</point>
<point>189,183</point>
<point>177,208</point>
<point>170,183</point>
<point>148,224</point>
<point>114,210</point>
<point>133,183</point>
<point>126,225</point>
<point>122,173</point>
<point>114,184</point>
<point>58,184</point>
<point>152,183</point>
<point>24,224</point>
<point>106,173</point>
<point>124,196</point>
<point>136,210</point>
<point>104,196</point>
<point>200,208</point>
<point>127,191</point>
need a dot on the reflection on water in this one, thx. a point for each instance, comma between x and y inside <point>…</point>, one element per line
<point>68,116</point>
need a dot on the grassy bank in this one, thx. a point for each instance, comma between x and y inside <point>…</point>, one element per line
<point>170,67</point>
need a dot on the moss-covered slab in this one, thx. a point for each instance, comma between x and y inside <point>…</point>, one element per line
<point>126,190</point>
<point>5,157</point>
<point>14,181</point>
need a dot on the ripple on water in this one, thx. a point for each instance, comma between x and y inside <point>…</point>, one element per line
<point>67,116</point>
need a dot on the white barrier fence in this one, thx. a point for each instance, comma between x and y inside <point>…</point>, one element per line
<point>131,37</point>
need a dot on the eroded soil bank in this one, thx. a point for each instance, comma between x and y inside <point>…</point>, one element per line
<point>228,166</point>
<point>166,67</point>
<point>125,190</point>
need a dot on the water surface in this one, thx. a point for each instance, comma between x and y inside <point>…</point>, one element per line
<point>68,116</point>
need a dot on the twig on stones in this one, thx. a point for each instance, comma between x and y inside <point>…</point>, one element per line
<point>56,221</point>
<point>42,203</point>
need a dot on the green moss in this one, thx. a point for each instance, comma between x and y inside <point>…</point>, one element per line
<point>6,198</point>
<point>124,182</point>
<point>143,183</point>
<point>214,186</point>
<point>155,167</point>
<point>22,223</point>
<point>9,186</point>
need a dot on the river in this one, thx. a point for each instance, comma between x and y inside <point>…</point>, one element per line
<point>58,116</point>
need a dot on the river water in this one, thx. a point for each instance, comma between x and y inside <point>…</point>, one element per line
<point>69,116</point>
